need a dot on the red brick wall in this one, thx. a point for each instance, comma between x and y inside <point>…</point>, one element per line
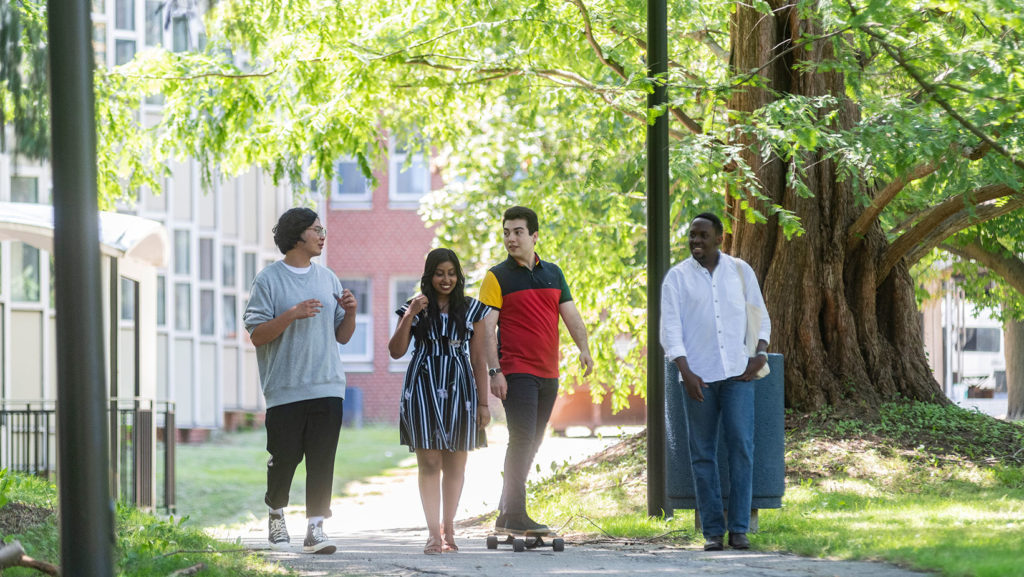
<point>378,243</point>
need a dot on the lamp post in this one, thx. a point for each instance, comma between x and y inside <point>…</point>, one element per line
<point>657,250</point>
<point>86,505</point>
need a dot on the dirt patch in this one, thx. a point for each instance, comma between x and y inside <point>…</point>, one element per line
<point>16,518</point>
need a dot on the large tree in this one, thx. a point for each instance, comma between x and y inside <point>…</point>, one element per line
<point>847,141</point>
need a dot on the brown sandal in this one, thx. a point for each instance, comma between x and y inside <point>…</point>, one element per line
<point>434,546</point>
<point>449,545</point>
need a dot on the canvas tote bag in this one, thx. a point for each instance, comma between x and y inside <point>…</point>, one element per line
<point>753,323</point>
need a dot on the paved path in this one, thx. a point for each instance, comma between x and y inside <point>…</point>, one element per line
<point>379,530</point>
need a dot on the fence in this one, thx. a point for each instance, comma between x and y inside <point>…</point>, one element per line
<point>142,447</point>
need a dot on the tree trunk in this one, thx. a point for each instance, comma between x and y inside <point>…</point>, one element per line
<point>845,341</point>
<point>1013,335</point>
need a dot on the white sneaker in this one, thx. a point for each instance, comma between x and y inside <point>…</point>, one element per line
<point>317,541</point>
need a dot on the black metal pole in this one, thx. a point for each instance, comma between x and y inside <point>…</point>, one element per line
<point>657,252</point>
<point>86,508</point>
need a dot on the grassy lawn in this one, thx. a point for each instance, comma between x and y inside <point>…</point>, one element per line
<point>145,545</point>
<point>927,487</point>
<point>223,482</point>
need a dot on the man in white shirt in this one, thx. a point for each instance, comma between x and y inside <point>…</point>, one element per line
<point>703,324</point>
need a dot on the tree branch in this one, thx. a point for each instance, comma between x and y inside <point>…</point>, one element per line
<point>860,228</point>
<point>1001,261</point>
<point>553,74</point>
<point>895,54</point>
<point>940,222</point>
<point>704,37</point>
<point>962,220</point>
<point>13,555</point>
<point>882,200</point>
<point>588,32</point>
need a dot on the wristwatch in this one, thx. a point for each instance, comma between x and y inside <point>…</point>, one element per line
<point>763,354</point>
<point>494,371</point>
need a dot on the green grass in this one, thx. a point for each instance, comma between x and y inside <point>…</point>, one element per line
<point>924,486</point>
<point>145,545</point>
<point>223,482</point>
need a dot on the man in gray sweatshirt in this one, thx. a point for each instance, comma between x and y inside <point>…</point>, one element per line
<point>297,311</point>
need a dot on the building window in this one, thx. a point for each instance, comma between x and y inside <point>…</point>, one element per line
<point>182,306</point>
<point>350,185</point>
<point>207,316</point>
<point>26,276</point>
<point>124,14</point>
<point>24,189</point>
<point>127,299</point>
<point>359,348</point>
<point>182,252</point>
<point>408,176</point>
<point>154,22</point>
<point>206,259</point>
<point>161,300</point>
<point>250,269</point>
<point>179,34</point>
<point>227,266</point>
<point>402,289</point>
<point>982,340</point>
<point>124,51</point>
<point>230,317</point>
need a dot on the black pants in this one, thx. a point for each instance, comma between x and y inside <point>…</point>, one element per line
<point>304,429</point>
<point>528,405</point>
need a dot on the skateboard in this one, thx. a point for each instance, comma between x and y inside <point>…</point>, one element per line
<point>523,541</point>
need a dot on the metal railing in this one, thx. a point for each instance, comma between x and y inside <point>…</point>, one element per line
<point>142,447</point>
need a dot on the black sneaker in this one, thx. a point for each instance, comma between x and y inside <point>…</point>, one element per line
<point>499,523</point>
<point>317,541</point>
<point>525,525</point>
<point>278,533</point>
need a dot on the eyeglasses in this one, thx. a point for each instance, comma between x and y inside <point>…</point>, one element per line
<point>319,230</point>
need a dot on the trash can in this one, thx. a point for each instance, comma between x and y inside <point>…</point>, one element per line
<point>769,481</point>
<point>353,416</point>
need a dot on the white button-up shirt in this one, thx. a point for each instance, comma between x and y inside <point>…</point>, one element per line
<point>704,316</point>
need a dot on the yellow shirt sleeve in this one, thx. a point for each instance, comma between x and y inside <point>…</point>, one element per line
<point>490,291</point>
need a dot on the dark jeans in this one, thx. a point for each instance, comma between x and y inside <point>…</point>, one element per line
<point>528,406</point>
<point>304,429</point>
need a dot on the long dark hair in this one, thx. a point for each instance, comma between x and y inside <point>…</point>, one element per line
<point>456,300</point>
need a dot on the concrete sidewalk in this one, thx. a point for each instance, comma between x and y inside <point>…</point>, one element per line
<point>380,531</point>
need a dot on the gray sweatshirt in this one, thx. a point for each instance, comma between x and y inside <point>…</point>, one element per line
<point>303,362</point>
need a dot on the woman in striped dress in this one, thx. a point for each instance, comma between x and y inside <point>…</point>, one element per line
<point>443,408</point>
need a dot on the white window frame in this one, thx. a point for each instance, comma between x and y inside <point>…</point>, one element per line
<point>364,362</point>
<point>350,201</point>
<point>396,163</point>
<point>398,365</point>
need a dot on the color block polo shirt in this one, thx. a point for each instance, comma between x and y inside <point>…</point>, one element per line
<point>528,322</point>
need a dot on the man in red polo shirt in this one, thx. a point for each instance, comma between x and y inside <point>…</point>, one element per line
<point>529,296</point>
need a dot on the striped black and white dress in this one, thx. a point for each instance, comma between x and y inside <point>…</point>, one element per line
<point>438,405</point>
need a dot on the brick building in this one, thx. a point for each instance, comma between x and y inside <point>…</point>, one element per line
<point>376,244</point>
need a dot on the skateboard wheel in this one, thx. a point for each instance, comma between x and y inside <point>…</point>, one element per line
<point>518,545</point>
<point>558,544</point>
<point>492,542</point>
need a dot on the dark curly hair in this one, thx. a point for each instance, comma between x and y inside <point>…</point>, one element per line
<point>290,227</point>
<point>456,300</point>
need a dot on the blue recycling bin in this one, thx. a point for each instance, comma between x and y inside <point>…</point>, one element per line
<point>769,482</point>
<point>353,415</point>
